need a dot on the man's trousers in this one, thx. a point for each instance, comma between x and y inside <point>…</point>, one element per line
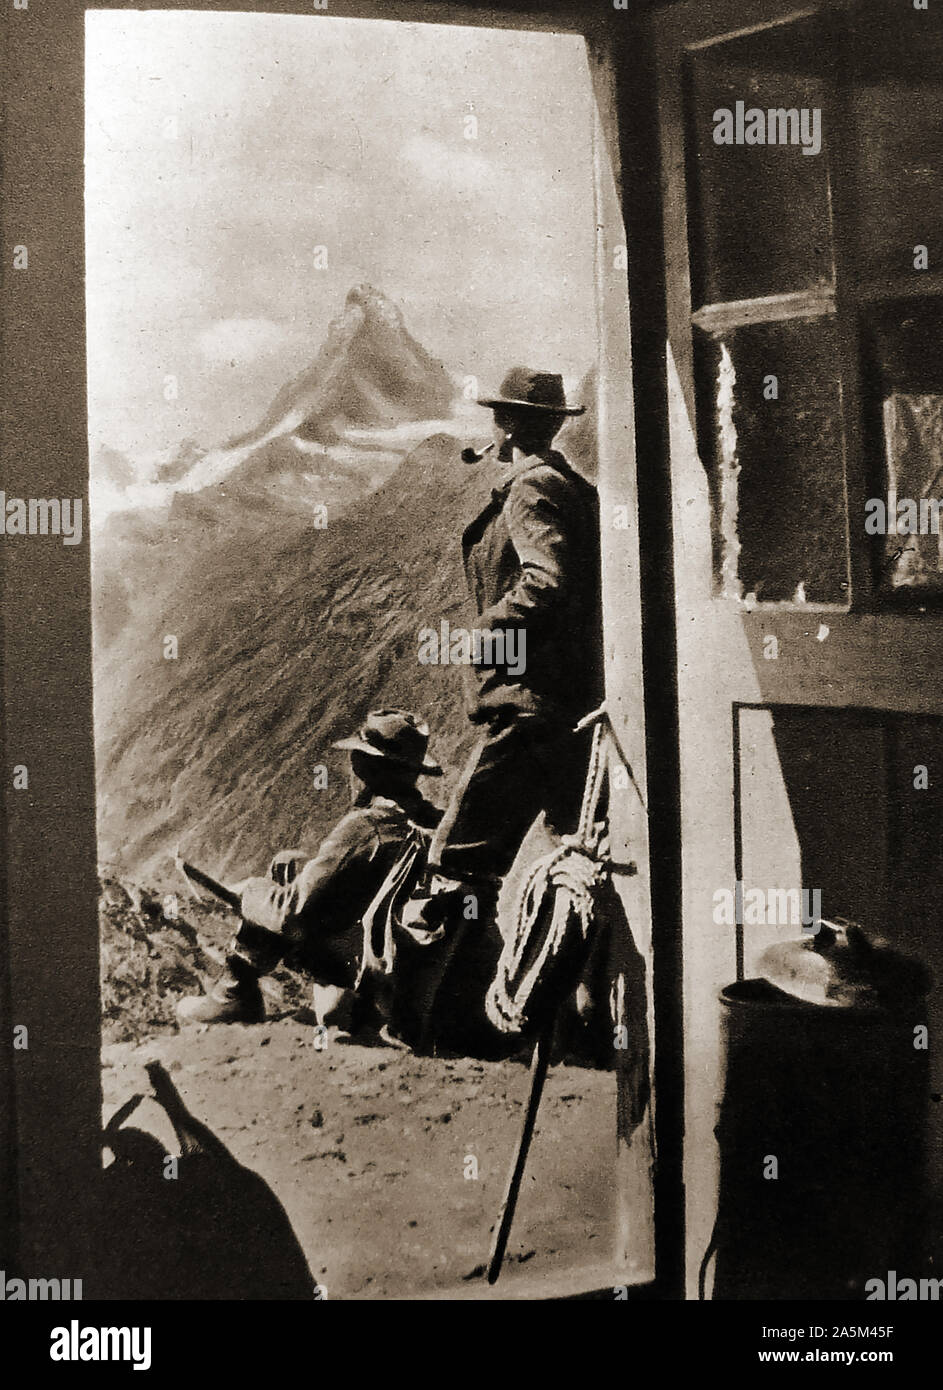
<point>524,763</point>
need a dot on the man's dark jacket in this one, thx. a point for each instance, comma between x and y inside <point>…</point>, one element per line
<point>532,563</point>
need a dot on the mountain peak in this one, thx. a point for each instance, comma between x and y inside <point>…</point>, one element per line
<point>370,373</point>
<point>370,299</point>
<point>372,312</point>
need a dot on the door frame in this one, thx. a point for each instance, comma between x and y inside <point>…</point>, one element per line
<point>49,955</point>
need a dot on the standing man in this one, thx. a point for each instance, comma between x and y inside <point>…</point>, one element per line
<point>532,566</point>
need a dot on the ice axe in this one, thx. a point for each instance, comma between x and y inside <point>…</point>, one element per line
<point>212,885</point>
<point>571,874</point>
<point>538,1075</point>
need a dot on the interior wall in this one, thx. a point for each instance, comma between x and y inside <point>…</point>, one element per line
<point>49,825</point>
<point>819,805</point>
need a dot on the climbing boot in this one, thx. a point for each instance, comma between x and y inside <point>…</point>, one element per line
<point>235,998</point>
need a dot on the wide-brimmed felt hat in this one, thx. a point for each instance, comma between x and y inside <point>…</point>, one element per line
<point>396,736</point>
<point>525,388</point>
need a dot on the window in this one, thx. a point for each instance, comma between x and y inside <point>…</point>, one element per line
<point>815,224</point>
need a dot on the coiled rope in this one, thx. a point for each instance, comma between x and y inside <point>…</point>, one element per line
<point>547,946</point>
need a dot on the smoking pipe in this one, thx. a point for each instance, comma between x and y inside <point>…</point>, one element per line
<point>476,455</point>
<point>505,451</point>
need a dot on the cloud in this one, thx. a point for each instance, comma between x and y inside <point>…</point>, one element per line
<point>452,166</point>
<point>237,342</point>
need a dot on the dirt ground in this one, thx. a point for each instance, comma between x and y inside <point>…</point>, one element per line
<point>391,1167</point>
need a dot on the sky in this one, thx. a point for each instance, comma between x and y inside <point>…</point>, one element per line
<point>222,150</point>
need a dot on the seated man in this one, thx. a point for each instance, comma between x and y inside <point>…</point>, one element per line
<point>309,915</point>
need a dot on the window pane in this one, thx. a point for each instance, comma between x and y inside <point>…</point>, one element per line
<point>898,142</point>
<point>777,465</point>
<point>906,379</point>
<point>899,146</point>
<point>913,437</point>
<point>759,220</point>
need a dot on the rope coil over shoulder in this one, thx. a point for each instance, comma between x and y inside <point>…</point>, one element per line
<point>554,916</point>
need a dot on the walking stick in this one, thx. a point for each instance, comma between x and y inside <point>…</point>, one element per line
<point>538,1075</point>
